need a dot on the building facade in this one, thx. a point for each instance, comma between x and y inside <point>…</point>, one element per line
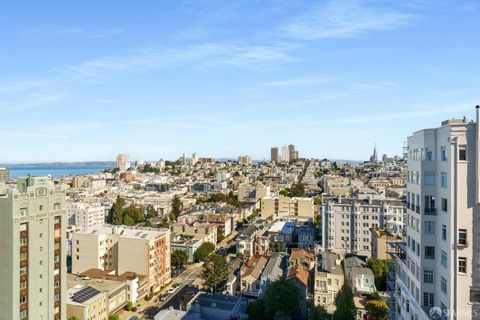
<point>439,262</point>
<point>33,250</point>
<point>347,221</point>
<point>145,251</point>
<point>296,207</point>
<point>4,174</point>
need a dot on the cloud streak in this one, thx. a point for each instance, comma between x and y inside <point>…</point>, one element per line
<point>344,19</point>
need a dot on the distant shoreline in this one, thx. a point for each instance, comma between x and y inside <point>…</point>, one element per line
<point>49,165</point>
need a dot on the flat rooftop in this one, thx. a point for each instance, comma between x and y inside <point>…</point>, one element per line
<point>126,232</point>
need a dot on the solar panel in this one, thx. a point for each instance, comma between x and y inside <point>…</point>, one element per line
<point>85,294</point>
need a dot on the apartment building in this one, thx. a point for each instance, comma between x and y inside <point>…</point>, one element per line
<point>85,215</point>
<point>347,221</point>
<point>274,154</point>
<point>205,231</point>
<point>329,279</point>
<point>245,160</point>
<point>122,162</point>
<point>4,175</point>
<point>33,250</point>
<point>440,264</point>
<point>145,251</point>
<point>85,303</point>
<point>297,207</point>
<point>254,192</point>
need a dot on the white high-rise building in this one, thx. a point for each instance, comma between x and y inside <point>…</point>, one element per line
<point>33,250</point>
<point>285,154</point>
<point>85,215</point>
<point>440,263</point>
<point>347,222</point>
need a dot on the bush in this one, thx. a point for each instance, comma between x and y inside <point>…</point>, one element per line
<point>128,306</point>
<point>134,309</point>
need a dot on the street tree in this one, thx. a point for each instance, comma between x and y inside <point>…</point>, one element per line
<point>215,272</point>
<point>282,300</point>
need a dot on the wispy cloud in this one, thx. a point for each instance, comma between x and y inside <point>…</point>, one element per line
<point>56,31</point>
<point>32,135</point>
<point>296,82</point>
<point>198,56</point>
<point>344,19</point>
<point>405,114</point>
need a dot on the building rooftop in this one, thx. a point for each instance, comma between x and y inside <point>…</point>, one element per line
<point>283,227</point>
<point>101,285</point>
<point>215,301</point>
<point>82,294</point>
<point>125,231</point>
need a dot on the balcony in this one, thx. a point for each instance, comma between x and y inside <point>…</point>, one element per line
<point>430,211</point>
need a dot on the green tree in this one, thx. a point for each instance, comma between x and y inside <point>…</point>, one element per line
<point>317,312</point>
<point>281,300</point>
<point>215,272</point>
<point>317,200</point>
<point>129,306</point>
<point>151,212</point>
<point>116,211</point>
<point>128,220</point>
<point>179,258</point>
<point>285,192</point>
<point>113,317</point>
<point>377,310</point>
<point>220,236</point>
<point>345,306</point>
<point>380,269</point>
<point>297,190</point>
<point>148,223</point>
<point>256,309</point>
<point>176,208</point>
<point>203,251</point>
<point>136,214</point>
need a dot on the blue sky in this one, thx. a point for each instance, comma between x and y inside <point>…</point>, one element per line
<point>85,80</point>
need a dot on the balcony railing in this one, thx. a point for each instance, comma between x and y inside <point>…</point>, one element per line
<point>431,211</point>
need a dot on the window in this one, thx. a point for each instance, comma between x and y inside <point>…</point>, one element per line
<point>462,153</point>
<point>462,264</point>
<point>429,227</point>
<point>443,153</point>
<point>428,276</point>
<point>428,154</point>
<point>429,252</point>
<point>443,285</point>
<point>444,205</point>
<point>444,232</point>
<point>428,299</point>
<point>444,180</point>
<point>444,259</point>
<point>462,237</point>
<point>23,299</point>
<point>429,178</point>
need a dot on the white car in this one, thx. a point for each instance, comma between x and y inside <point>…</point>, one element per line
<point>171,290</point>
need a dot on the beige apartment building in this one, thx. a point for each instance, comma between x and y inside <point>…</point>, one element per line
<point>145,251</point>
<point>252,191</point>
<point>33,250</point>
<point>4,175</point>
<point>86,303</point>
<point>296,207</point>
<point>384,243</point>
<point>329,279</point>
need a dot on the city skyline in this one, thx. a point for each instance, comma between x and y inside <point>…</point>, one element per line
<point>338,75</point>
